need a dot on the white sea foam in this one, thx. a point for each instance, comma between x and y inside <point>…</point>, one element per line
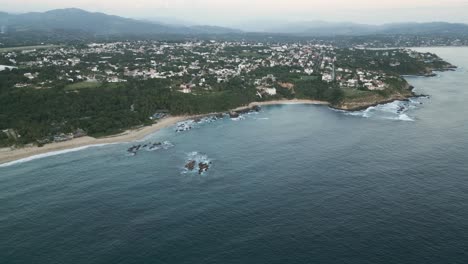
<point>198,157</point>
<point>241,117</point>
<point>196,123</point>
<point>184,126</point>
<point>50,154</point>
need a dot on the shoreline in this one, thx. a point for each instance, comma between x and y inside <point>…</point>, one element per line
<point>8,155</point>
<point>281,102</point>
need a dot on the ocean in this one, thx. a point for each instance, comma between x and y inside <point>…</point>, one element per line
<point>290,184</point>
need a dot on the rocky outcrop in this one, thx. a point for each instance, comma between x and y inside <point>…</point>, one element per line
<point>244,110</point>
<point>202,166</point>
<point>150,146</point>
<point>358,104</point>
<point>233,114</point>
<point>190,165</point>
<point>184,126</point>
<point>362,105</point>
<point>256,108</point>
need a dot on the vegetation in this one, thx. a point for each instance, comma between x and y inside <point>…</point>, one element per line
<point>82,85</point>
<point>107,109</point>
<point>392,62</point>
<point>315,89</point>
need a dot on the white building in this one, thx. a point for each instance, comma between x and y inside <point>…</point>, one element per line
<point>270,91</point>
<point>5,67</point>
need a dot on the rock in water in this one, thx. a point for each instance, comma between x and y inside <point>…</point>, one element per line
<point>190,165</point>
<point>203,167</point>
<point>233,114</point>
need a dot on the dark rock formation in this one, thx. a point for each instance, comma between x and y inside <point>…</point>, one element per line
<point>256,108</point>
<point>183,127</point>
<point>190,165</point>
<point>203,167</point>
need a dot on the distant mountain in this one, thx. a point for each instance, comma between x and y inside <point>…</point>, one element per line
<point>214,30</point>
<point>424,28</point>
<point>73,21</point>
<point>95,23</point>
<point>320,28</point>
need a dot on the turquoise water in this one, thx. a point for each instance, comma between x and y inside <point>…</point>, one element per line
<point>291,184</point>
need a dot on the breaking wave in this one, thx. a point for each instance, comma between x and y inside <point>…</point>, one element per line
<point>50,154</point>
<point>241,117</point>
<point>397,110</point>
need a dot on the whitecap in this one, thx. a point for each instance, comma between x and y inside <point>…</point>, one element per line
<point>238,118</point>
<point>396,110</point>
<point>405,117</point>
<point>184,126</point>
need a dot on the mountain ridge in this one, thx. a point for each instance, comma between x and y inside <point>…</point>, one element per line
<point>98,23</point>
<point>93,22</point>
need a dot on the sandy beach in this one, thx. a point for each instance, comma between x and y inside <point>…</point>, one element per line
<point>9,154</point>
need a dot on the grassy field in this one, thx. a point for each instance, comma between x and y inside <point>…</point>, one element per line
<point>82,85</point>
<point>27,48</point>
<point>92,85</point>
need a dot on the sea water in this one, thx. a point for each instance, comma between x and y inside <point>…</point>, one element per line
<point>290,184</point>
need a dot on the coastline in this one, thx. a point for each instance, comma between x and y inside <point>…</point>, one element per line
<point>8,155</point>
<point>359,106</point>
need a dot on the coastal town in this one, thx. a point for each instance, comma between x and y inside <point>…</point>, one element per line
<point>196,66</point>
<point>203,69</point>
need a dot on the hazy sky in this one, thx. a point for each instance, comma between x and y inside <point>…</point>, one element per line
<point>229,12</point>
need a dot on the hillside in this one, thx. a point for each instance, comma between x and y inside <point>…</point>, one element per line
<point>321,28</point>
<point>75,22</point>
<point>73,19</point>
